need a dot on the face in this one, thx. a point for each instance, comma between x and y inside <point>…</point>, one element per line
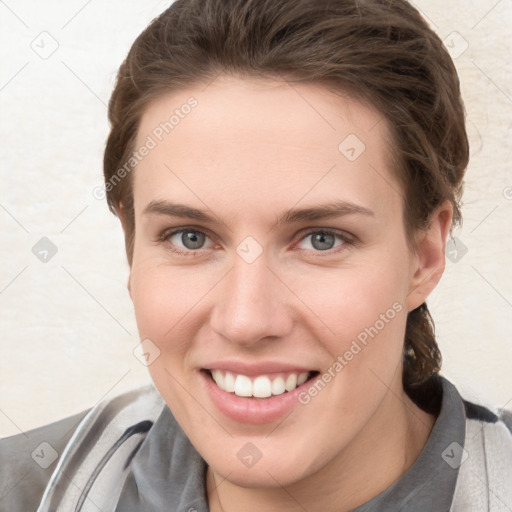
<point>269,249</point>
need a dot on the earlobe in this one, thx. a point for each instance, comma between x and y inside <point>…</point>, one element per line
<point>430,256</point>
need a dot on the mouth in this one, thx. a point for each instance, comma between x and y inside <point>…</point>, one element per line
<point>262,386</point>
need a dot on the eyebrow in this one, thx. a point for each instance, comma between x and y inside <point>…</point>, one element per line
<point>324,211</point>
<point>295,215</point>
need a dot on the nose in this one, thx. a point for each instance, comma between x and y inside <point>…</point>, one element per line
<point>251,304</point>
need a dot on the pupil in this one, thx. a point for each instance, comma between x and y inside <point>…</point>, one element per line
<point>192,239</point>
<point>320,241</point>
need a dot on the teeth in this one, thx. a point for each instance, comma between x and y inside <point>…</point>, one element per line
<point>278,386</point>
<point>261,387</point>
<point>291,382</point>
<point>243,386</point>
<point>303,377</point>
<point>218,378</point>
<point>229,382</point>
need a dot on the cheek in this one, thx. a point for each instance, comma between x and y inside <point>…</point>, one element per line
<point>348,300</point>
<point>161,293</point>
<point>164,300</point>
<point>365,310</point>
<point>150,296</point>
<point>363,316</point>
<point>170,307</point>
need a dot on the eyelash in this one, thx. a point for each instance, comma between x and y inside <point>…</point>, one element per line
<point>348,240</point>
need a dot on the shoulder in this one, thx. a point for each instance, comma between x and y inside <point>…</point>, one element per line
<point>485,473</point>
<point>27,461</point>
<point>35,467</point>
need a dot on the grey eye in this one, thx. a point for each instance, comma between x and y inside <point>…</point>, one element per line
<point>190,239</point>
<point>193,239</point>
<point>322,241</point>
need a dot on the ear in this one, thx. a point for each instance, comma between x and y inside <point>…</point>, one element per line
<point>121,213</point>
<point>429,261</point>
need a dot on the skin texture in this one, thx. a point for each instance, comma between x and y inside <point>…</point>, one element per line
<point>249,151</point>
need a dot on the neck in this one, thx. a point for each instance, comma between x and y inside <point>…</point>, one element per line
<point>377,457</point>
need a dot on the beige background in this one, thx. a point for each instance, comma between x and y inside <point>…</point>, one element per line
<point>67,328</point>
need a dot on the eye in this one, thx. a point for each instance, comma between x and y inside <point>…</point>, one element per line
<point>188,239</point>
<point>324,240</point>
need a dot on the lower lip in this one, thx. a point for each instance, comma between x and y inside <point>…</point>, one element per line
<point>252,410</point>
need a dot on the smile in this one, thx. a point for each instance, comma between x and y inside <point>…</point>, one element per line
<point>256,393</point>
<point>260,386</point>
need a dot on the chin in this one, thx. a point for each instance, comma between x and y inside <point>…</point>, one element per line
<point>279,463</point>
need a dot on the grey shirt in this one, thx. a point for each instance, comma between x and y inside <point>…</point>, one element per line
<point>164,472</point>
<point>178,472</point>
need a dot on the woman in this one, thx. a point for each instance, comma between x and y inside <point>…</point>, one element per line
<point>286,174</point>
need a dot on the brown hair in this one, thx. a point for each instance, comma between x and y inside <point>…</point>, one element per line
<point>381,50</point>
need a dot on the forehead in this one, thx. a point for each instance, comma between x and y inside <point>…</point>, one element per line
<point>257,143</point>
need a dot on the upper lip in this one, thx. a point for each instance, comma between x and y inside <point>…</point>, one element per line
<point>253,369</point>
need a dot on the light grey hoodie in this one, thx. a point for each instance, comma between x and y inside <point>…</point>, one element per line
<point>129,454</point>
